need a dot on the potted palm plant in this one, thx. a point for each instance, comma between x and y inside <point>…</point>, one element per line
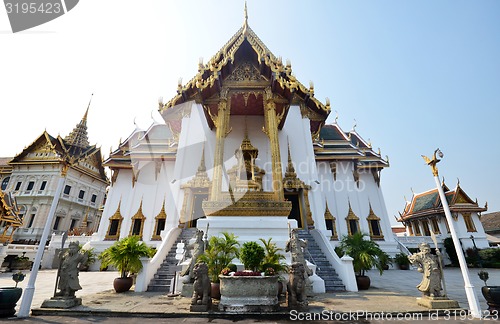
<point>274,259</point>
<point>219,253</point>
<point>402,261</point>
<point>366,255</point>
<point>125,256</point>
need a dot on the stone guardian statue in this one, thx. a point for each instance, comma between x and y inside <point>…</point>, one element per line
<point>68,281</point>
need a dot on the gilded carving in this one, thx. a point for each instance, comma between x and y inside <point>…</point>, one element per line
<point>245,72</point>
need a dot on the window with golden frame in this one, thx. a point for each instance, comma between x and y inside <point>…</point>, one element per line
<point>160,222</point>
<point>469,223</point>
<point>330,224</point>
<point>115,223</point>
<point>374,226</point>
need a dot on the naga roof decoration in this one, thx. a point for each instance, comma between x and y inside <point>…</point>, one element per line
<point>428,203</point>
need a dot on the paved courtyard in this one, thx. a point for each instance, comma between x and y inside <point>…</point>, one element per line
<point>394,291</point>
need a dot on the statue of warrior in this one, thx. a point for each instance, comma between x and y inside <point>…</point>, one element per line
<point>430,266</point>
<point>69,270</point>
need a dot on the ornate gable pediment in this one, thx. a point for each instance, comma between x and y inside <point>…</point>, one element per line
<point>246,72</point>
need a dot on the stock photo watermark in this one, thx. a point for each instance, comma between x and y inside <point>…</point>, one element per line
<point>357,315</point>
<point>26,14</point>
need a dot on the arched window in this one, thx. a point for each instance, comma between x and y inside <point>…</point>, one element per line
<point>5,182</point>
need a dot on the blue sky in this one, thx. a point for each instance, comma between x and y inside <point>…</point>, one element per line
<point>415,75</point>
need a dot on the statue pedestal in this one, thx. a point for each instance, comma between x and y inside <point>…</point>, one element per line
<point>61,302</point>
<point>437,302</point>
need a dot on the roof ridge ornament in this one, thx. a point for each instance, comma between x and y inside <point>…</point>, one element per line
<point>245,22</point>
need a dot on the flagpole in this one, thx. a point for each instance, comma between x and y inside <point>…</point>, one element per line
<point>469,288</point>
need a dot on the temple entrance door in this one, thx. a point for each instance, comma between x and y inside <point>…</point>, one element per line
<point>296,212</point>
<point>197,211</point>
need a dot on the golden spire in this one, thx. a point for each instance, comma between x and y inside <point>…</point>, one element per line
<point>245,22</point>
<point>78,137</point>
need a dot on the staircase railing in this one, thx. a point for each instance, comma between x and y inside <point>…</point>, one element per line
<point>343,266</point>
<point>150,266</point>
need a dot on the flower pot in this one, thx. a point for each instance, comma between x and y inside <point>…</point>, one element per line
<point>20,265</point>
<point>8,299</point>
<point>492,296</point>
<point>215,290</point>
<point>123,284</point>
<point>363,282</point>
<point>241,294</point>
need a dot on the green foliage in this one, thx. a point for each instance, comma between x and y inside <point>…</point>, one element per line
<point>366,253</point>
<point>273,257</point>
<point>219,253</point>
<point>232,267</point>
<point>252,255</point>
<point>90,255</point>
<point>339,251</point>
<point>401,259</point>
<point>450,250</point>
<point>125,255</point>
<point>490,257</point>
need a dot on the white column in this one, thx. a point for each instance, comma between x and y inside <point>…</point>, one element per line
<point>469,288</point>
<point>29,291</point>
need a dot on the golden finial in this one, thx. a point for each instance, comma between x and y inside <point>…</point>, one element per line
<point>433,163</point>
<point>245,22</point>
<point>288,64</point>
<point>458,182</point>
<point>327,101</point>
<point>379,152</point>
<point>336,116</point>
<point>443,182</point>
<point>160,103</point>
<point>84,119</point>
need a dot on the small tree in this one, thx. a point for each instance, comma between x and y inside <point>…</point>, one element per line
<point>252,255</point>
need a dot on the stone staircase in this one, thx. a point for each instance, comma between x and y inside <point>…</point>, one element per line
<point>161,280</point>
<point>324,269</point>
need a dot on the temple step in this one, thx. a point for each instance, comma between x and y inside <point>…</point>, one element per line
<point>324,269</point>
<point>163,277</point>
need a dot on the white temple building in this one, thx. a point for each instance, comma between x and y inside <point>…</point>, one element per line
<point>244,148</point>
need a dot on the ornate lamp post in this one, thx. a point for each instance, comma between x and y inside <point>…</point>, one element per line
<point>469,288</point>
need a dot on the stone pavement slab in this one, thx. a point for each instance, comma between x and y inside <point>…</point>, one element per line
<point>393,292</point>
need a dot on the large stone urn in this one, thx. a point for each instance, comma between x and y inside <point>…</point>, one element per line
<point>492,296</point>
<point>240,294</point>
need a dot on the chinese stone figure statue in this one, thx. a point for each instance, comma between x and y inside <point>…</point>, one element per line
<point>430,266</point>
<point>296,247</point>
<point>201,300</point>
<point>67,279</point>
<point>69,269</point>
<point>296,287</point>
<point>196,249</point>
